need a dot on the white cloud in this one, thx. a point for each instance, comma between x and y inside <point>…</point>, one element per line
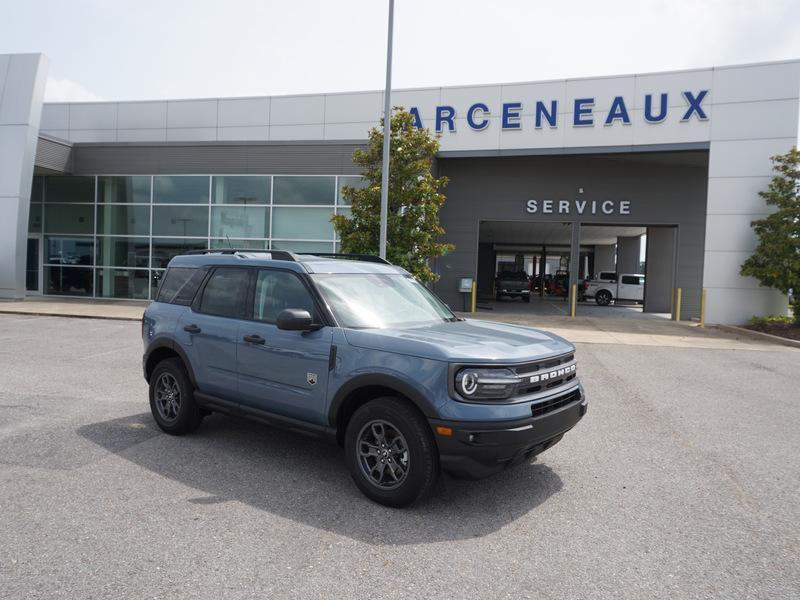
<point>65,90</point>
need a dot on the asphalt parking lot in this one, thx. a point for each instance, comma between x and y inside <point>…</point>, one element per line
<point>682,481</point>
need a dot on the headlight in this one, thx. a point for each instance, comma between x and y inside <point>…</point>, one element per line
<point>481,384</point>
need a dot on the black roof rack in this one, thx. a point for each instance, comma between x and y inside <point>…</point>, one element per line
<point>275,254</point>
<point>291,256</point>
<point>364,257</point>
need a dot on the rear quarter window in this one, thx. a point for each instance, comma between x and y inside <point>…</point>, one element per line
<point>632,280</point>
<point>180,284</point>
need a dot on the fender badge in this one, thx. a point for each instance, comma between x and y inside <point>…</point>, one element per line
<point>311,378</point>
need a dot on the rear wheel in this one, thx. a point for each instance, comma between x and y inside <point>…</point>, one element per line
<point>172,401</point>
<point>603,297</point>
<point>391,453</point>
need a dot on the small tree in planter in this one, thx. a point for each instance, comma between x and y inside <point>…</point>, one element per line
<point>776,260</point>
<point>413,228</point>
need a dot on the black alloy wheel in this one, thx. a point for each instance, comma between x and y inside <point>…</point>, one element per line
<point>390,452</point>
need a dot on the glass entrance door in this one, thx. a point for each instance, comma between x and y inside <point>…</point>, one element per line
<point>33,266</point>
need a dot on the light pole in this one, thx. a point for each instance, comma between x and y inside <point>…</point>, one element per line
<point>387,132</point>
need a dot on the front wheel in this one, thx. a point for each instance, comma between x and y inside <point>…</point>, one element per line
<point>391,453</point>
<point>603,298</point>
<point>172,401</point>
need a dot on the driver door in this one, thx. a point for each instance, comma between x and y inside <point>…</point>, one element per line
<point>283,372</point>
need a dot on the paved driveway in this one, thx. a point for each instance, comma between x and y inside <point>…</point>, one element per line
<point>682,481</point>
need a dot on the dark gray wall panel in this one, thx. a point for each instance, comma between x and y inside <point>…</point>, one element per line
<point>215,158</point>
<point>663,189</point>
<point>660,269</point>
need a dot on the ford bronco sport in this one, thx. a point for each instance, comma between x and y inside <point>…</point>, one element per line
<point>359,352</point>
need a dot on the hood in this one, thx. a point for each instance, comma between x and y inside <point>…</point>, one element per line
<point>470,341</point>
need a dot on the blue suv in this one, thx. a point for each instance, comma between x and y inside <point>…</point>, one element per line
<point>359,352</point>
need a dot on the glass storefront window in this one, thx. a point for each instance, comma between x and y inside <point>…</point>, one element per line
<point>123,220</point>
<point>302,223</point>
<point>112,236</point>
<point>123,283</point>
<point>35,219</point>
<point>164,249</point>
<point>155,281</point>
<point>69,189</point>
<point>123,252</point>
<point>124,190</point>
<point>180,189</point>
<point>180,221</point>
<point>304,190</point>
<point>234,243</point>
<point>69,218</point>
<point>303,246</point>
<point>349,181</point>
<point>68,281</point>
<point>69,251</point>
<point>235,189</point>
<point>37,189</point>
<point>240,221</point>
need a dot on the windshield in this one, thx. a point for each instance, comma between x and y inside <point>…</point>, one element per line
<point>367,300</point>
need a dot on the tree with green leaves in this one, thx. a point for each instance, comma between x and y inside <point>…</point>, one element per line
<point>776,260</point>
<point>413,230</point>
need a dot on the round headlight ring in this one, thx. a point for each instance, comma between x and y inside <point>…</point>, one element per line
<point>469,383</point>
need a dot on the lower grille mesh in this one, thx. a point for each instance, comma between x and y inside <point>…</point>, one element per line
<point>542,408</point>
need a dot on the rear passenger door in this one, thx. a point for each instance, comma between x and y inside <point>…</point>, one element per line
<point>631,287</point>
<point>283,372</point>
<point>209,331</point>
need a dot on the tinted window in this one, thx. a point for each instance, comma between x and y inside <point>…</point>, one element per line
<point>226,292</point>
<point>180,285</point>
<point>607,276</point>
<point>277,291</point>
<point>304,190</point>
<point>632,280</point>
<point>180,189</point>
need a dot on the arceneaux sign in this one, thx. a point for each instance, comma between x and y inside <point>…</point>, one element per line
<point>578,207</point>
<point>511,118</point>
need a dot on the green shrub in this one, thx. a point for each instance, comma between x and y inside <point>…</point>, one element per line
<point>772,320</point>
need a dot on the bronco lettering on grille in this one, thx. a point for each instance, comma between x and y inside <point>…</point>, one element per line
<point>554,374</point>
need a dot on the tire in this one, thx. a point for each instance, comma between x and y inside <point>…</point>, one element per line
<point>172,401</point>
<point>402,427</point>
<point>526,298</point>
<point>498,296</point>
<point>603,298</point>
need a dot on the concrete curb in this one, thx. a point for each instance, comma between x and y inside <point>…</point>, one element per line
<point>68,315</point>
<point>757,335</point>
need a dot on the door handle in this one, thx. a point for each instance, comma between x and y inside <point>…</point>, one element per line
<point>254,339</point>
<point>192,328</point>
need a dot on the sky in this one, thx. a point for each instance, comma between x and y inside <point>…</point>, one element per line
<point>161,49</point>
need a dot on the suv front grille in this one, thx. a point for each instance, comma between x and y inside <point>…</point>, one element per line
<point>548,406</point>
<point>529,370</point>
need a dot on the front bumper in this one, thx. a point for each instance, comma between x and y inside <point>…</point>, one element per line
<point>479,449</point>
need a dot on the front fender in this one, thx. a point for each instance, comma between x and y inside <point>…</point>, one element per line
<point>391,381</point>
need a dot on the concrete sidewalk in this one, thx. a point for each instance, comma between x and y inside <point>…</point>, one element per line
<point>633,332</point>
<point>75,307</point>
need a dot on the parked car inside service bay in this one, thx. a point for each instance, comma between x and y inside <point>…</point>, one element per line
<point>358,352</point>
<point>627,287</point>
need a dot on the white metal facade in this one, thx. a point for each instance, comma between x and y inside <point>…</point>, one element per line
<point>751,114</point>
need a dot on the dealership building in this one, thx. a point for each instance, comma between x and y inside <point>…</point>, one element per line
<point>579,175</point>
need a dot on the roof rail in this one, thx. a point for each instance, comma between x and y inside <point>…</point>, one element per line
<point>274,254</point>
<point>364,257</point>
<point>290,256</point>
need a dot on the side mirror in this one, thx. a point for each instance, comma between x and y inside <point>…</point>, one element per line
<point>295,319</point>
